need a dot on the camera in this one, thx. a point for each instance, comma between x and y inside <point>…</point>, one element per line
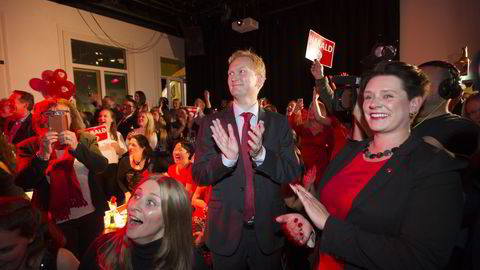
<point>345,96</point>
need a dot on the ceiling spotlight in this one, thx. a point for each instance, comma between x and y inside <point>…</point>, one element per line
<point>380,52</point>
<point>384,51</point>
<point>245,25</point>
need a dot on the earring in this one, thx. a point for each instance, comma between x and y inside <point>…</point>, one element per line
<point>412,115</point>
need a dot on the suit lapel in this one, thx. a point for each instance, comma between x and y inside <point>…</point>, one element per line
<point>385,174</point>
<point>230,119</point>
<point>262,115</point>
<point>342,159</point>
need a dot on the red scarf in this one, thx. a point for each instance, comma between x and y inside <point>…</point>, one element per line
<point>65,192</point>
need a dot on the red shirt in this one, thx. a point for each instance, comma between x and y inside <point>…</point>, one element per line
<point>338,194</point>
<point>184,176</point>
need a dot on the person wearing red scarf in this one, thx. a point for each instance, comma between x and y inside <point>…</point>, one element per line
<point>60,167</point>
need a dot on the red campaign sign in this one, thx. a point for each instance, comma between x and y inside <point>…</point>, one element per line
<point>321,48</point>
<point>99,131</point>
<point>191,109</point>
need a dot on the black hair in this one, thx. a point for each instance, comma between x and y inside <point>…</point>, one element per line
<point>26,97</point>
<point>413,79</point>
<point>129,99</point>
<point>143,142</point>
<point>143,98</point>
<point>186,145</point>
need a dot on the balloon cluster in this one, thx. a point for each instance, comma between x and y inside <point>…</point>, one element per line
<point>54,84</point>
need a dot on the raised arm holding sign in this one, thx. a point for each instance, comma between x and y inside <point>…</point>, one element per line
<point>320,48</point>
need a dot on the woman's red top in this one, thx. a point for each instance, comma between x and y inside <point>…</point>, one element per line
<point>338,194</point>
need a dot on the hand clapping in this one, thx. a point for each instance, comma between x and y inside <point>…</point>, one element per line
<point>315,210</point>
<point>226,142</point>
<point>296,228</point>
<point>255,141</point>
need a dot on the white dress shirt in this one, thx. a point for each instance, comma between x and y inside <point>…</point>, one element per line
<point>237,111</point>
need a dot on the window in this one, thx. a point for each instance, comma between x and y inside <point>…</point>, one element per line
<point>98,71</point>
<point>172,80</point>
<point>116,86</point>
<point>87,83</point>
<point>87,53</point>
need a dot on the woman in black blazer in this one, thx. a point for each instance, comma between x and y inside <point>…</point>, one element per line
<point>391,202</point>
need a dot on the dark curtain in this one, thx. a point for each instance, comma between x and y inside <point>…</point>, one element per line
<point>281,40</point>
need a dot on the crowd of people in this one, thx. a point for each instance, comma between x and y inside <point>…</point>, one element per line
<point>245,186</point>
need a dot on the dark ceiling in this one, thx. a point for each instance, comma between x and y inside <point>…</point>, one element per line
<point>172,16</point>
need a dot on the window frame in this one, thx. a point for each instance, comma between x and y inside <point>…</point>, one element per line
<point>66,57</point>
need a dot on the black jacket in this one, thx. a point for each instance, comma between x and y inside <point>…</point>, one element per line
<point>129,124</point>
<point>406,217</point>
<point>24,132</point>
<point>225,209</point>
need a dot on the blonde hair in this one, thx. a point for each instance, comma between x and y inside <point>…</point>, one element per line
<point>150,127</point>
<point>258,64</point>
<point>175,251</point>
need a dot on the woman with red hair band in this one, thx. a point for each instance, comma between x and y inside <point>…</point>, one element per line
<point>60,164</point>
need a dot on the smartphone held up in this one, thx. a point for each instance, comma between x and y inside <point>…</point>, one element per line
<point>57,121</point>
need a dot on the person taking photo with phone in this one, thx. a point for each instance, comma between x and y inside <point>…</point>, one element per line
<point>60,164</point>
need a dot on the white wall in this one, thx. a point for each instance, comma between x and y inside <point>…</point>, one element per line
<point>33,35</point>
<point>438,29</point>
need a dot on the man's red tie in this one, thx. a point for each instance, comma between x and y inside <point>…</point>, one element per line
<point>249,210</point>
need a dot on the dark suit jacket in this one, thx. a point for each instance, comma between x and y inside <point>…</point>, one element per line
<point>24,132</point>
<point>225,209</point>
<point>406,217</point>
<point>31,170</point>
<point>128,125</point>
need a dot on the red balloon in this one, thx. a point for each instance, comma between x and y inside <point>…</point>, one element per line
<point>47,74</point>
<point>72,87</point>
<point>37,84</point>
<point>65,89</point>
<point>52,90</point>
<point>60,75</point>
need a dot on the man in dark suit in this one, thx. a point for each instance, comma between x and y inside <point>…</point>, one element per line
<point>245,154</point>
<point>129,120</point>
<point>20,125</point>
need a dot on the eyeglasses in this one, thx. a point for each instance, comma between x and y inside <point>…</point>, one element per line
<point>55,112</point>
